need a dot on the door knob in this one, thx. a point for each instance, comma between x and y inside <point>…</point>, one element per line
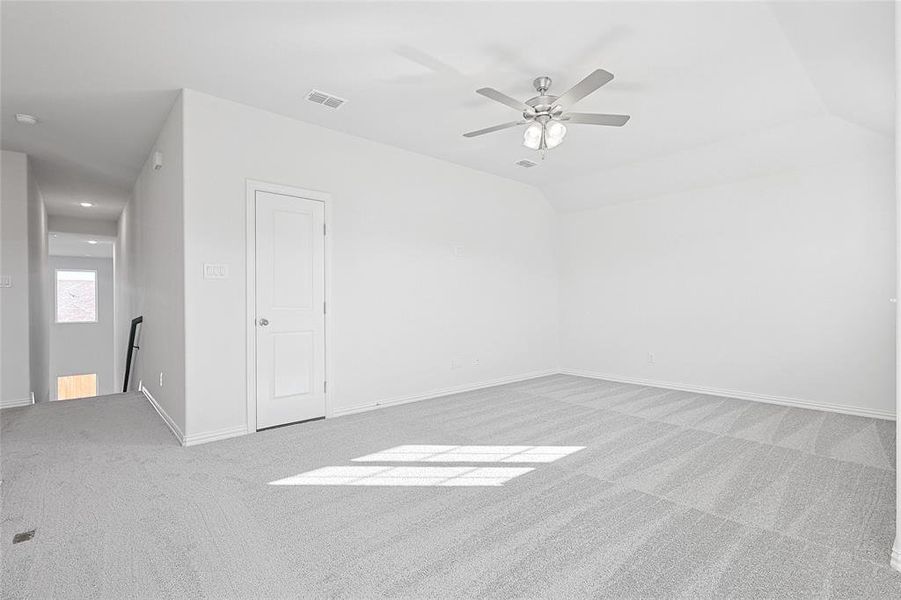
<point>264,322</point>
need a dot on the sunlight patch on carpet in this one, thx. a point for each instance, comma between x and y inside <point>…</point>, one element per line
<point>407,476</point>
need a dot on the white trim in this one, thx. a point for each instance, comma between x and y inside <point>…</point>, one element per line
<point>194,439</point>
<point>18,402</point>
<point>896,555</point>
<point>769,399</point>
<point>163,415</point>
<point>212,436</point>
<point>442,392</point>
<point>252,187</point>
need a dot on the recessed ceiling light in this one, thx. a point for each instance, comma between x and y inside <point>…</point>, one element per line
<point>92,241</point>
<point>26,119</point>
<point>86,204</point>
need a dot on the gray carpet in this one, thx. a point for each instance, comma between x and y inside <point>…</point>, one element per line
<point>675,495</point>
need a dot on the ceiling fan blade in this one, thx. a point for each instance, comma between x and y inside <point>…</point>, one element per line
<point>424,59</point>
<point>596,119</point>
<point>493,129</point>
<point>595,80</point>
<point>505,99</point>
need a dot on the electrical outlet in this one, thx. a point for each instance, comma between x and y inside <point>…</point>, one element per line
<point>476,362</point>
<point>161,379</point>
<point>652,358</point>
<point>459,250</point>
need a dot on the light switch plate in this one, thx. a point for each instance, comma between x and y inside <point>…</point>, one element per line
<point>215,271</point>
<point>5,281</point>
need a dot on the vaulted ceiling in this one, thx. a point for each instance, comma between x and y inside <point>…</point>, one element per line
<point>716,90</point>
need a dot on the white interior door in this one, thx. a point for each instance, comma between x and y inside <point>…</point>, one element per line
<point>290,309</point>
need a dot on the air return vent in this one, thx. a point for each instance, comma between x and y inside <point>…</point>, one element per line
<point>325,99</point>
<point>526,163</point>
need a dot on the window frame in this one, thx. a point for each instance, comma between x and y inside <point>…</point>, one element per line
<point>56,273</point>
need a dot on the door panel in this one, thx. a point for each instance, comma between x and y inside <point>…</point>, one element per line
<point>290,301</point>
<point>293,371</point>
<point>291,253</point>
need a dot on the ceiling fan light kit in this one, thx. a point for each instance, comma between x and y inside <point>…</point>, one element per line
<point>546,113</point>
<point>554,132</point>
<point>531,137</point>
<point>543,134</point>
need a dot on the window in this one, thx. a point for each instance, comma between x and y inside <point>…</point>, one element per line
<point>76,296</point>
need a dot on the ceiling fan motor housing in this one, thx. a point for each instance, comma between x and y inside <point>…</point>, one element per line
<point>542,84</point>
<point>542,105</point>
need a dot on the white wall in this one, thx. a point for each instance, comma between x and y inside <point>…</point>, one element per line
<point>158,279</point>
<point>79,348</point>
<point>15,379</point>
<point>403,306</point>
<point>87,225</point>
<point>896,550</point>
<point>39,292</point>
<point>129,292</point>
<point>774,286</point>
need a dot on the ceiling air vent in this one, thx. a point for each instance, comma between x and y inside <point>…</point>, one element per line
<point>526,163</point>
<point>325,99</point>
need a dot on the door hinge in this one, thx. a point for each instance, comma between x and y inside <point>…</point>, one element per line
<point>323,308</point>
<point>324,387</point>
<point>323,229</point>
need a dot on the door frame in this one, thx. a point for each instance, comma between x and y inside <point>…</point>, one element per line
<point>250,260</point>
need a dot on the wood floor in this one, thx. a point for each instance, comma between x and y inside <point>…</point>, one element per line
<point>71,387</point>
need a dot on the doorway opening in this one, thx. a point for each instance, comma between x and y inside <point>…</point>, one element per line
<point>82,328</point>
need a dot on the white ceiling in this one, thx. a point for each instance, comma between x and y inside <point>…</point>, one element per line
<point>715,90</point>
<point>79,244</point>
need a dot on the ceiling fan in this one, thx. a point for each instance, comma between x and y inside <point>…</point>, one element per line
<point>546,114</point>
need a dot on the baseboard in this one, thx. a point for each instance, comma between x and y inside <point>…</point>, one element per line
<point>176,431</point>
<point>212,436</point>
<point>441,392</point>
<point>782,400</point>
<point>18,402</point>
<point>896,555</point>
<point>194,439</point>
